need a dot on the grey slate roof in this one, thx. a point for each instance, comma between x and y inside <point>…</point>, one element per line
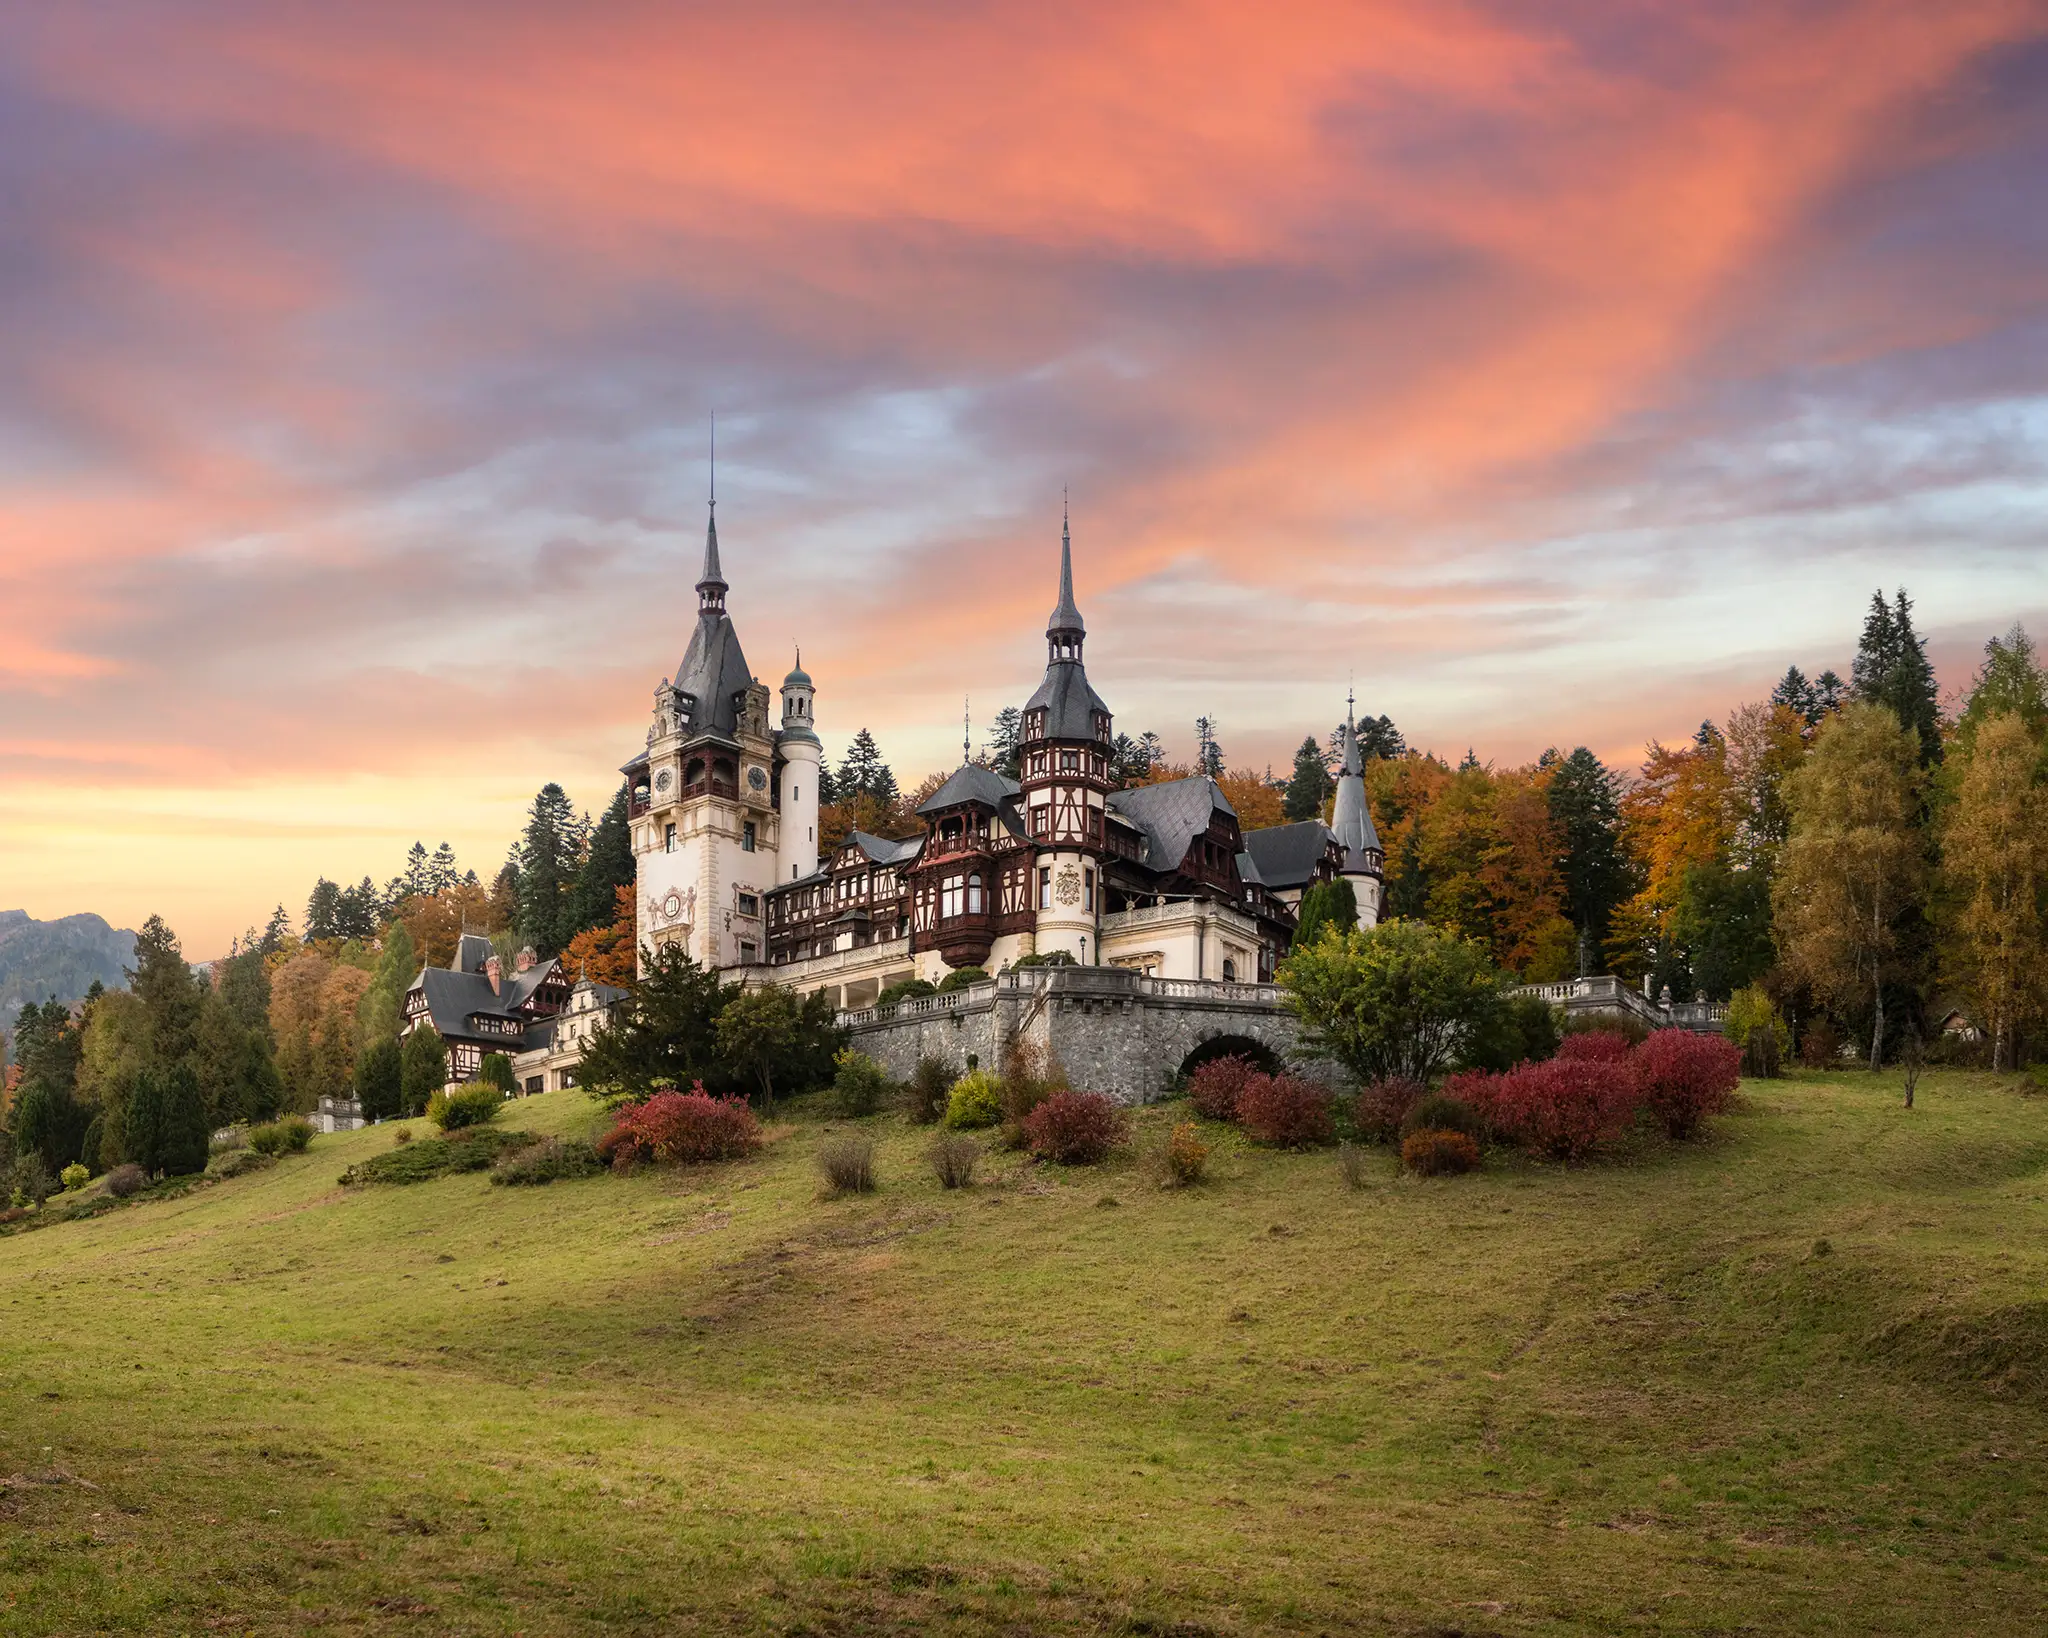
<point>970,782</point>
<point>1351,818</point>
<point>714,672</point>
<point>1171,815</point>
<point>1070,704</point>
<point>1287,855</point>
<point>471,952</point>
<point>881,850</point>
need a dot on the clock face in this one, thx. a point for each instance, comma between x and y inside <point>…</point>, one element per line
<point>758,778</point>
<point>664,779</point>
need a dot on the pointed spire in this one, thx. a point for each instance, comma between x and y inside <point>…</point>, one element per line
<point>1353,765</point>
<point>966,731</point>
<point>711,586</point>
<point>1067,617</point>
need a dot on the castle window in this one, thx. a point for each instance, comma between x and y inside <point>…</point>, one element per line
<point>1041,820</point>
<point>1044,886</point>
<point>974,895</point>
<point>1088,889</point>
<point>747,837</point>
<point>668,839</point>
<point>952,896</point>
<point>748,953</point>
<point>750,904</point>
<point>1070,762</point>
<point>1229,970</point>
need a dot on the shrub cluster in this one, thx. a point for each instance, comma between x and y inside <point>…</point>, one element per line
<point>848,1162</point>
<point>1185,1159</point>
<point>470,1149</point>
<point>74,1177</point>
<point>952,1157</point>
<point>547,1161</point>
<point>858,1084</point>
<point>286,1136</point>
<point>471,1105</point>
<point>1383,1106</point>
<point>1030,1076</point>
<point>925,1098</point>
<point>1075,1128</point>
<point>232,1137</point>
<point>975,1100</point>
<point>681,1128</point>
<point>1285,1112</point>
<point>1213,1088</point>
<point>1596,1087</point>
<point>234,1162</point>
<point>1432,1153</point>
<point>124,1181</point>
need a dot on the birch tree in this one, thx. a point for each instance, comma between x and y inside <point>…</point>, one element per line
<point>1995,856</point>
<point>1853,864</point>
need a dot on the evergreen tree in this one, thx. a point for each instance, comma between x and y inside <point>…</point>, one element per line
<point>864,773</point>
<point>1378,737</point>
<point>258,1086</point>
<point>1208,754</point>
<point>1310,787</point>
<point>166,1132</point>
<point>1892,670</point>
<point>219,1058</point>
<point>164,985</point>
<point>667,1030</point>
<point>275,933</point>
<point>245,987</point>
<point>49,1122</point>
<point>548,866</point>
<point>380,1079</point>
<point>1795,693</point>
<point>323,910</point>
<point>1129,763</point>
<point>1585,806</point>
<point>416,880</point>
<point>442,873</point>
<point>423,1068</point>
<point>607,868</point>
<point>1324,906</point>
<point>2010,682</point>
<point>1153,750</point>
<point>504,901</point>
<point>1005,735</point>
<point>358,911</point>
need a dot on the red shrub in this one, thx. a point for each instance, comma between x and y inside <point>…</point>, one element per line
<point>1383,1105</point>
<point>1600,1046</point>
<point>1214,1086</point>
<point>1686,1077</point>
<point>1285,1112</point>
<point>1479,1090</point>
<point>1563,1107</point>
<point>1439,1154</point>
<point>677,1128</point>
<point>1075,1128</point>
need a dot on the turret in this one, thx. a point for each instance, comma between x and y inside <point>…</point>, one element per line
<point>1351,821</point>
<point>802,765</point>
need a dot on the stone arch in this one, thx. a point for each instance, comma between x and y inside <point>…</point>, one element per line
<point>1226,1045</point>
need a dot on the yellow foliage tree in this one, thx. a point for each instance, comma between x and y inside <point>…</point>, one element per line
<point>1995,861</point>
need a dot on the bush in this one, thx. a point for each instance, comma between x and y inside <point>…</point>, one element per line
<point>74,1177</point>
<point>1629,1027</point>
<point>848,1162</point>
<point>1563,1108</point>
<point>1075,1128</point>
<point>1517,1029</point>
<point>469,1149</point>
<point>1351,1165</point>
<point>858,1084</point>
<point>290,1135</point>
<point>472,1105</point>
<point>548,1161</point>
<point>124,1181</point>
<point>234,1162</point>
<point>960,977</point>
<point>1445,1111</point>
<point>1820,1044</point>
<point>1605,1046</point>
<point>1214,1086</point>
<point>1684,1077</point>
<point>223,1142</point>
<point>925,1097</point>
<point>495,1070</point>
<point>1431,1153</point>
<point>906,989</point>
<point>1285,1112</point>
<point>1755,1026</point>
<point>952,1159</point>
<point>1030,1076</point>
<point>681,1129</point>
<point>1383,1106</point>
<point>30,1182</point>
<point>1393,1001</point>
<point>402,1135</point>
<point>975,1100</point>
<point>1185,1159</point>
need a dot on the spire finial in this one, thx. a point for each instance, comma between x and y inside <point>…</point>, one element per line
<point>714,460</point>
<point>711,586</point>
<point>1067,617</point>
<point>966,731</point>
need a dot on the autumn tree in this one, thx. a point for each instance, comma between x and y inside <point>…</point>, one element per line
<point>1995,859</point>
<point>1675,817</point>
<point>606,954</point>
<point>607,868</point>
<point>1853,864</point>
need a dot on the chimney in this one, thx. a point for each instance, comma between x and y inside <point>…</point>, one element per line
<point>526,958</point>
<point>494,970</point>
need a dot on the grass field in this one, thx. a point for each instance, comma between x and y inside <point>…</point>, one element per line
<point>1792,1379</point>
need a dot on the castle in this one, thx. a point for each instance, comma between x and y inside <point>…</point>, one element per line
<point>1059,865</point>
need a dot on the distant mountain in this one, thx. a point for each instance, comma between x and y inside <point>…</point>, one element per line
<point>39,959</point>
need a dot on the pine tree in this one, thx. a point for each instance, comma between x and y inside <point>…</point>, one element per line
<point>378,1013</point>
<point>548,866</point>
<point>1892,670</point>
<point>2010,682</point>
<point>1128,763</point>
<point>1585,806</point>
<point>358,911</point>
<point>323,909</point>
<point>1005,735</point>
<point>1378,737</point>
<point>380,1079</point>
<point>275,933</point>
<point>442,873</point>
<point>1208,754</point>
<point>166,1125</point>
<point>164,985</point>
<point>423,1069</point>
<point>1310,787</point>
<point>606,868</point>
<point>864,773</point>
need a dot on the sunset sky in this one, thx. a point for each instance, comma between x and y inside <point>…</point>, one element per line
<point>1560,372</point>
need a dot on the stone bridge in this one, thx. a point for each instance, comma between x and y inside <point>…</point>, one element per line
<point>1113,1031</point>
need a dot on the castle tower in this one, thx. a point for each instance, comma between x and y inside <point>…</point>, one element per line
<point>802,763</point>
<point>1351,820</point>
<point>1064,757</point>
<point>706,828</point>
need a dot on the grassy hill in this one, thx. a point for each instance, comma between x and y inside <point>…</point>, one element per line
<point>1793,1379</point>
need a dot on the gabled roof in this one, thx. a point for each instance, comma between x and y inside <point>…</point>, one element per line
<point>1070,703</point>
<point>970,782</point>
<point>1171,815</point>
<point>714,672</point>
<point>881,850</point>
<point>1287,855</point>
<point>472,950</point>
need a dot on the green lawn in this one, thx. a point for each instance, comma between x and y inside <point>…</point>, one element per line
<point>1791,1379</point>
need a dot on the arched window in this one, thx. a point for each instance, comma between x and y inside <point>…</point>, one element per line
<point>1229,970</point>
<point>974,895</point>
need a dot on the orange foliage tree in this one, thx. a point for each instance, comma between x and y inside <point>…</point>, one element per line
<point>606,954</point>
